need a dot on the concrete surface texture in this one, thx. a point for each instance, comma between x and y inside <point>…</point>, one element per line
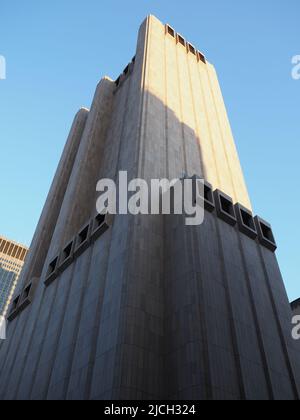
<point>150,308</point>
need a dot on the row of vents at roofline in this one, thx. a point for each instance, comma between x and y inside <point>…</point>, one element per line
<point>214,201</point>
<point>179,39</point>
<point>189,47</point>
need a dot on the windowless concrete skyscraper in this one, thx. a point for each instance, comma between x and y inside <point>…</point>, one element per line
<point>144,307</point>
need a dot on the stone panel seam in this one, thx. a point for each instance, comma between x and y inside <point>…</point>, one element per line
<point>212,146</point>
<point>256,321</point>
<point>222,135</point>
<point>231,317</point>
<point>197,133</point>
<point>279,328</point>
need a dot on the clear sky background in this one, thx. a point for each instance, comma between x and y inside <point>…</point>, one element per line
<point>57,51</point>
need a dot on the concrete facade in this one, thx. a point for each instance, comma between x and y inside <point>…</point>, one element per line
<point>144,307</point>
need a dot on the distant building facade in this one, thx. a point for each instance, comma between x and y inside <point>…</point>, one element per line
<point>12,258</point>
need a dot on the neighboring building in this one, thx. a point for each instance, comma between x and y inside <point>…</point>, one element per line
<point>143,307</point>
<point>296,307</point>
<point>12,257</point>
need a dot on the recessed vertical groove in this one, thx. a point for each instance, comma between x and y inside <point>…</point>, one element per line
<point>203,323</point>
<point>145,103</point>
<point>18,347</point>
<point>278,325</point>
<point>75,334</point>
<point>30,342</point>
<point>231,316</point>
<point>5,357</point>
<point>222,136</point>
<point>181,113</point>
<point>58,335</point>
<point>123,126</point>
<point>166,110</point>
<point>96,327</point>
<point>211,142</point>
<point>256,321</point>
<point>197,131</point>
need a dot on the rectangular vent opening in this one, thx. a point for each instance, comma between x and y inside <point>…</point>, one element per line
<point>247,219</point>
<point>191,49</point>
<point>208,195</point>
<point>52,266</point>
<point>267,232</point>
<point>27,291</point>
<point>15,304</point>
<point>67,251</point>
<point>170,31</point>
<point>181,40</point>
<point>201,57</point>
<point>83,235</point>
<point>100,219</point>
<point>227,206</point>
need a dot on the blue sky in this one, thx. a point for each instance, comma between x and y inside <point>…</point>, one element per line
<point>57,51</point>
